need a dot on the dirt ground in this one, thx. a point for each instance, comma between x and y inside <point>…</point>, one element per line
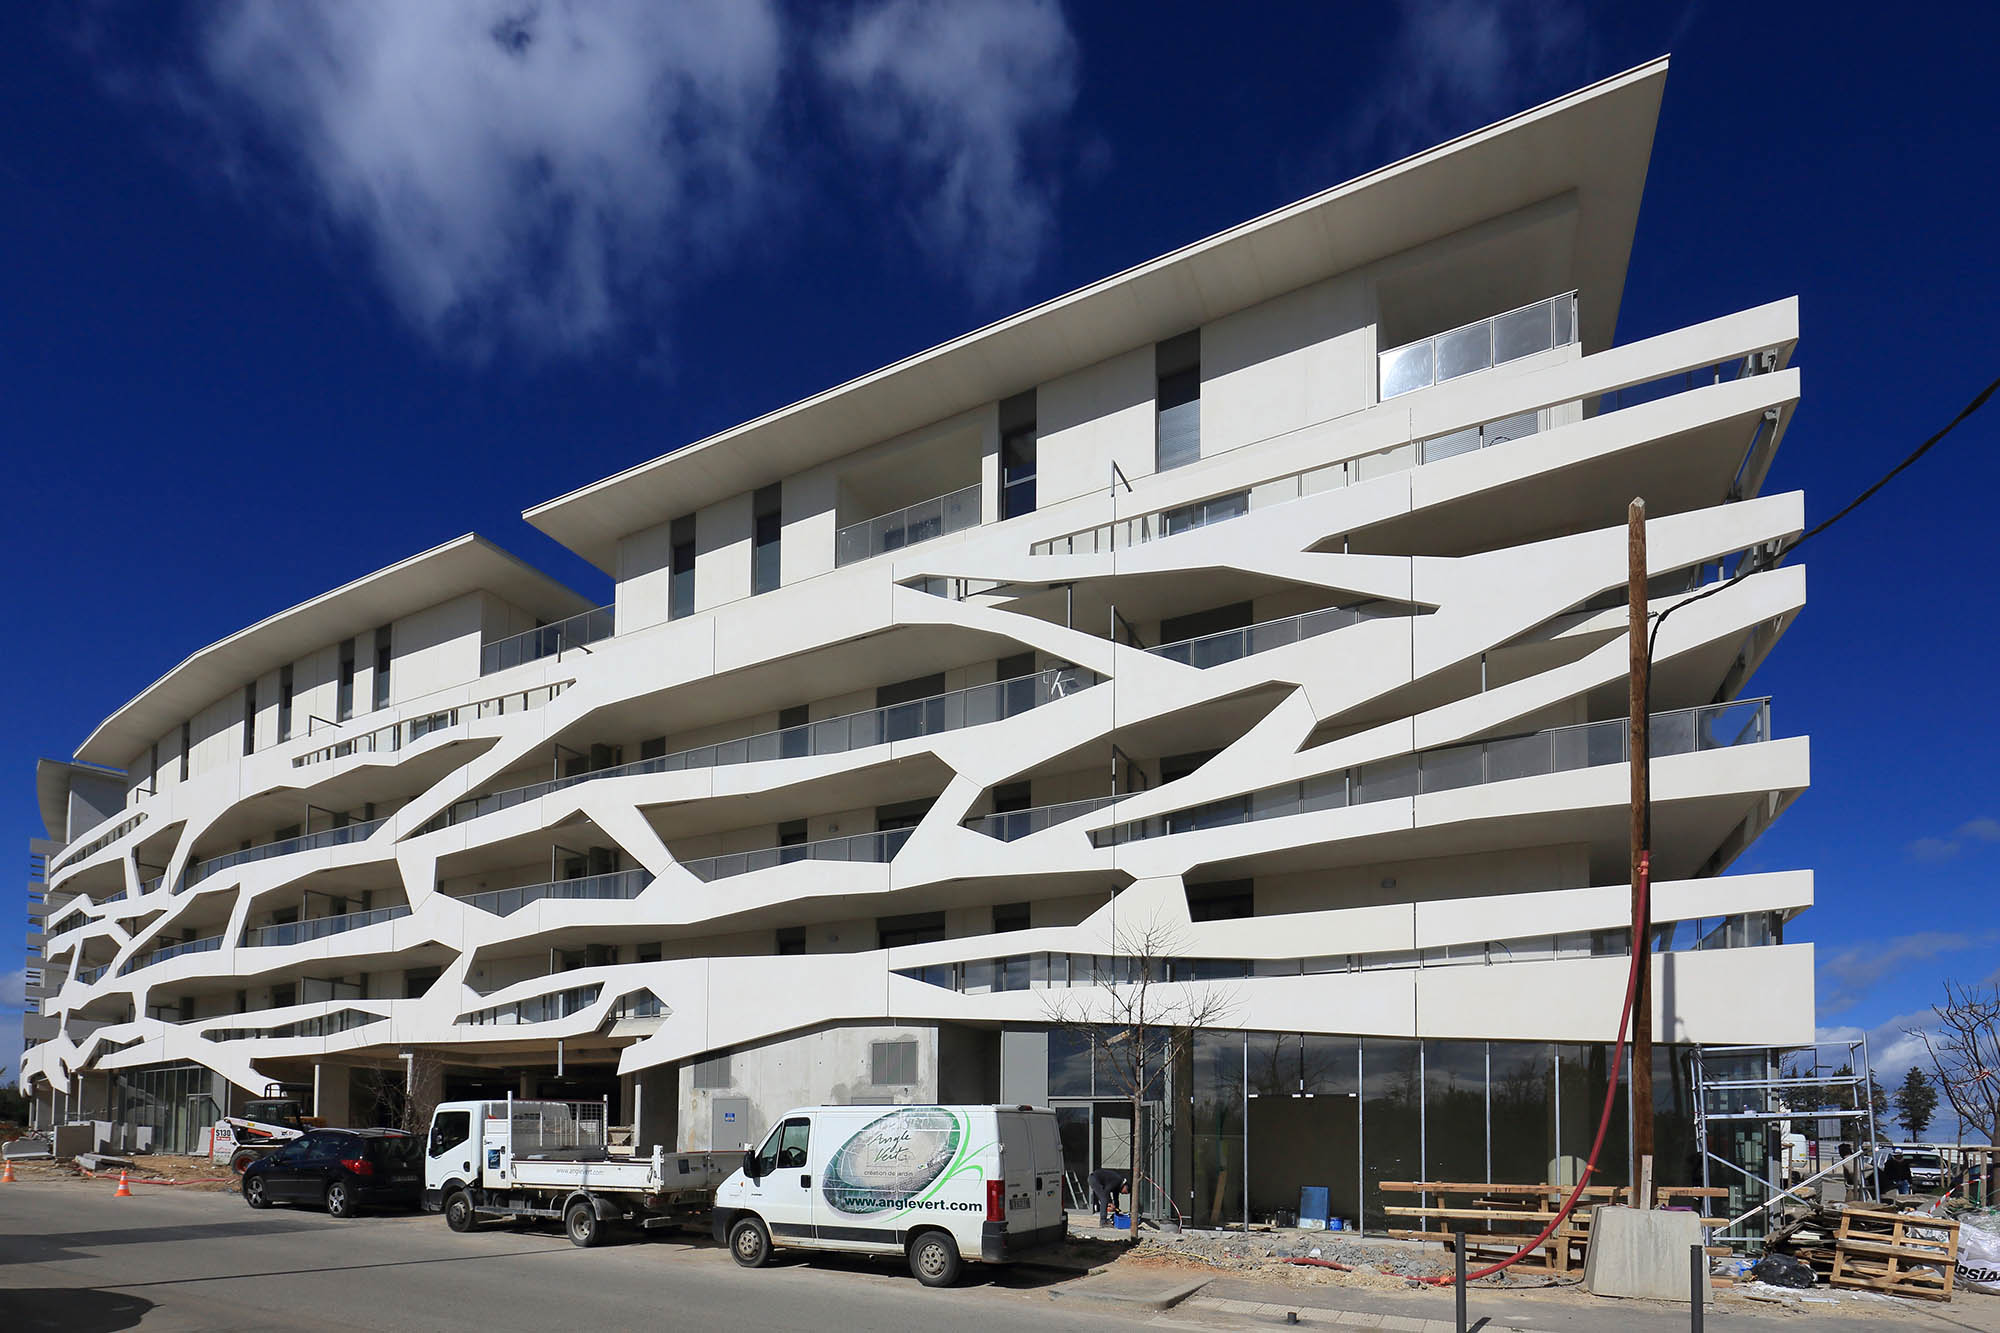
<point>186,1172</point>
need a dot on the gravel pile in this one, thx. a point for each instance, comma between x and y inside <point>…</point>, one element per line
<point>1239,1251</point>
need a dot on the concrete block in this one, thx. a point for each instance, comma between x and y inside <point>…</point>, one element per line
<point>1643,1253</point>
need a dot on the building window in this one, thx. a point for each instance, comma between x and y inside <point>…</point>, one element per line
<point>187,743</point>
<point>712,1073</point>
<point>654,748</point>
<point>893,932</point>
<point>1010,916</point>
<point>344,703</point>
<point>792,834</point>
<point>892,1064</point>
<point>794,732</point>
<point>153,780</point>
<point>680,586</point>
<point>1177,363</point>
<point>1226,900</point>
<point>1017,455</point>
<point>792,940</point>
<point>250,717</point>
<point>382,667</point>
<point>284,703</point>
<point>417,981</point>
<point>1011,796</point>
<point>768,512</point>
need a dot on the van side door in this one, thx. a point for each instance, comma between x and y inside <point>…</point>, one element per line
<point>782,1193</point>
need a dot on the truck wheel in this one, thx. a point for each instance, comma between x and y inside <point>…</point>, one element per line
<point>253,1193</point>
<point>750,1243</point>
<point>458,1214</point>
<point>241,1158</point>
<point>934,1259</point>
<point>581,1222</point>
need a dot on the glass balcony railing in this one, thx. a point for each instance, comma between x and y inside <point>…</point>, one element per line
<point>878,848</point>
<point>537,1009</point>
<point>548,640</point>
<point>90,975</point>
<point>333,837</point>
<point>1229,645</point>
<point>162,954</point>
<point>906,527</point>
<point>396,735</point>
<point>616,885</point>
<point>97,844</point>
<point>1011,825</point>
<point>319,927</point>
<point>1558,750</point>
<point>1478,346</point>
<point>970,707</point>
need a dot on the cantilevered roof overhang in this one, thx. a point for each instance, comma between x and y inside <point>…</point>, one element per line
<point>1591,146</point>
<point>52,783</point>
<point>465,564</point>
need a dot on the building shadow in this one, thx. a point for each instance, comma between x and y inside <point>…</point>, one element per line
<point>72,1310</point>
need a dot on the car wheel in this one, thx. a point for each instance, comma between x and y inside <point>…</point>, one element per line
<point>750,1243</point>
<point>339,1199</point>
<point>253,1192</point>
<point>582,1225</point>
<point>934,1259</point>
<point>458,1213</point>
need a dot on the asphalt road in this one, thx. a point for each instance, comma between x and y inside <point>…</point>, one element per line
<point>75,1259</point>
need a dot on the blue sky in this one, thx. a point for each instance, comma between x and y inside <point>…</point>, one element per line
<point>276,271</point>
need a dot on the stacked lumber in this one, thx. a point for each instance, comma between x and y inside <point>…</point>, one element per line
<point>1499,1219</point>
<point>1900,1254</point>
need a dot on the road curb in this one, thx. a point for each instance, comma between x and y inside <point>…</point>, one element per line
<point>1157,1298</point>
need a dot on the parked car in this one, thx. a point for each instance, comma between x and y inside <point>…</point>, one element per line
<point>1926,1168</point>
<point>343,1169</point>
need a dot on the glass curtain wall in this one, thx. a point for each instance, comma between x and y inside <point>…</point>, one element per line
<point>167,1107</point>
<point>1275,1112</point>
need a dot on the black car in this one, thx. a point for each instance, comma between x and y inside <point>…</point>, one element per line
<point>344,1169</point>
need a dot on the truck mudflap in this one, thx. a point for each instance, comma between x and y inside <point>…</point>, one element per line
<point>720,1222</point>
<point>998,1245</point>
<point>433,1200</point>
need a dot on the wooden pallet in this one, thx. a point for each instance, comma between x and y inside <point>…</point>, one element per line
<point>1902,1254</point>
<point>1498,1219</point>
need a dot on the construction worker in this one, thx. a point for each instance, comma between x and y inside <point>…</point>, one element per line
<point>1106,1185</point>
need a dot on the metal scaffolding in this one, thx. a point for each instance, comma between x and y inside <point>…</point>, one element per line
<point>1750,1100</point>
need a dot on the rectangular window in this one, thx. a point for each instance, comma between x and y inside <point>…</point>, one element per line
<point>187,743</point>
<point>1011,796</point>
<point>344,703</point>
<point>250,717</point>
<point>652,749</point>
<point>712,1073</point>
<point>892,1064</point>
<point>792,940</point>
<point>1226,900</point>
<point>1177,364</point>
<point>1017,455</point>
<point>680,587</point>
<point>382,667</point>
<point>794,732</point>
<point>892,932</point>
<point>791,833</point>
<point>1010,916</point>
<point>284,703</point>
<point>153,780</point>
<point>768,510</point>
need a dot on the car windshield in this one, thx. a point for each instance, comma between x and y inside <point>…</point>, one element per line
<point>398,1153</point>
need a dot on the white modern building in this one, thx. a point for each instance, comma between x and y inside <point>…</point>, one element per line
<point>1267,598</point>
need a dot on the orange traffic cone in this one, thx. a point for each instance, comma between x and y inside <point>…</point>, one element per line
<point>124,1191</point>
<point>7,1172</point>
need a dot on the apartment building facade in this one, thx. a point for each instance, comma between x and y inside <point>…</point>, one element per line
<point>1252,619</point>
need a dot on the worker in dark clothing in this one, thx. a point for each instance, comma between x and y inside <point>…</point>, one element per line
<point>1105,1187</point>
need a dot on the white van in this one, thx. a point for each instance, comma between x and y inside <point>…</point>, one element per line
<point>938,1183</point>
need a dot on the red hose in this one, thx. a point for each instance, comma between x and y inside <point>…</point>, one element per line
<point>1639,955</point>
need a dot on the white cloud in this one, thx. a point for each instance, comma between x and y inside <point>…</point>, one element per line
<point>1934,850</point>
<point>957,96</point>
<point>513,167</point>
<point>1458,64</point>
<point>1846,976</point>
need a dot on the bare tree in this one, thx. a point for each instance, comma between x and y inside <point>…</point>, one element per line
<point>1139,1012</point>
<point>1965,1053</point>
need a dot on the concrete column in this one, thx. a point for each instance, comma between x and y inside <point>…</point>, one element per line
<point>332,1094</point>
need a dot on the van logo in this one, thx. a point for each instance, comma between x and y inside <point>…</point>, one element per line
<point>893,1160</point>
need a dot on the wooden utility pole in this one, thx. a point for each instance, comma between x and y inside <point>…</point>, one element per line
<point>1641,1102</point>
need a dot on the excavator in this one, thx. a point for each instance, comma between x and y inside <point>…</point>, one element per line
<point>267,1123</point>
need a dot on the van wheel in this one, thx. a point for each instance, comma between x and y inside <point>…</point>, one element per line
<point>934,1259</point>
<point>750,1243</point>
<point>458,1213</point>
<point>581,1224</point>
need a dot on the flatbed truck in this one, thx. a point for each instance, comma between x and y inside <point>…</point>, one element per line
<point>551,1159</point>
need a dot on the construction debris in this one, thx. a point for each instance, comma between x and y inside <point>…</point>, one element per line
<point>1498,1220</point>
<point>1903,1254</point>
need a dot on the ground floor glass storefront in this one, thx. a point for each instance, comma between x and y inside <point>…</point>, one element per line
<point>165,1108</point>
<point>1269,1113</point>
